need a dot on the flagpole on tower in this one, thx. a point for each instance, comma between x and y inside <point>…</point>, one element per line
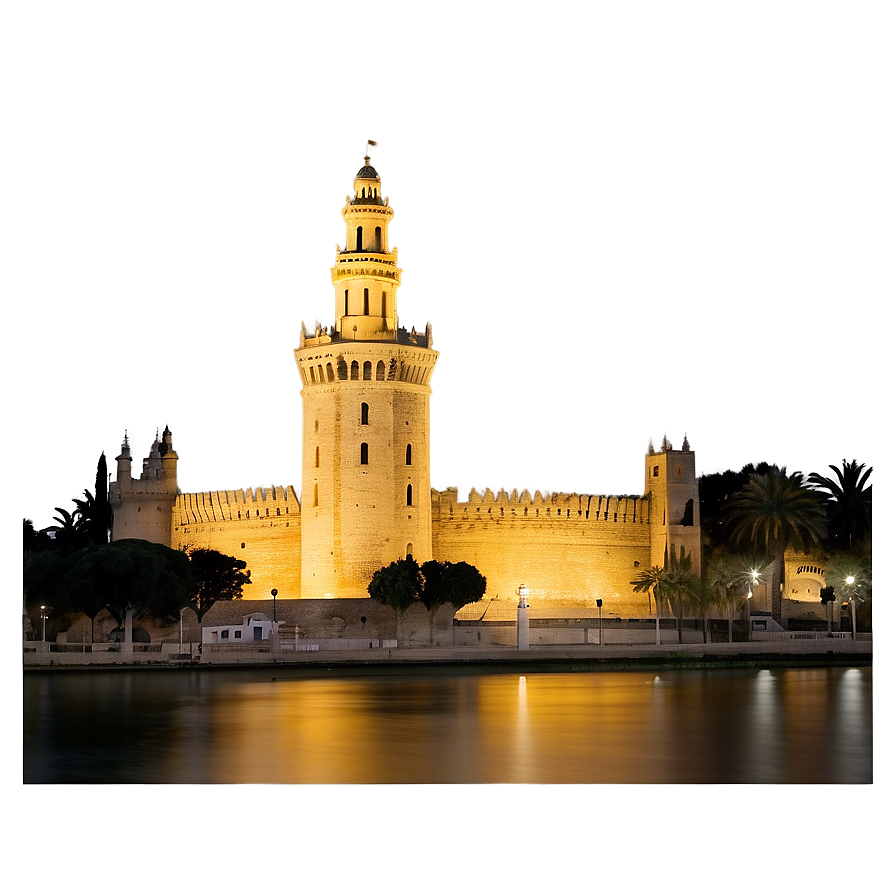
<point>367,149</point>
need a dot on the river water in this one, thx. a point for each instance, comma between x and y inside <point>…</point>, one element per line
<point>448,726</point>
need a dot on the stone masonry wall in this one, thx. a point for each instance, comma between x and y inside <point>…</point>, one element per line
<point>568,549</point>
<point>260,526</point>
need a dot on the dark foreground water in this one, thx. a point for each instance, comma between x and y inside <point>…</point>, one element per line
<point>448,726</point>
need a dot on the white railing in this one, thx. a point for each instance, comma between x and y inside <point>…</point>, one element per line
<point>798,636</point>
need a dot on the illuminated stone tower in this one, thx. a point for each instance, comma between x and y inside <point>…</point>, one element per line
<point>365,415</point>
<point>671,481</point>
<point>142,508</point>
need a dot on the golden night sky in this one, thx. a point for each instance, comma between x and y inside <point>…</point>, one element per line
<point>622,220</point>
<point>621,223</point>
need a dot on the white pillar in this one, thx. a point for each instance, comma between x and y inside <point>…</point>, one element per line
<point>522,619</point>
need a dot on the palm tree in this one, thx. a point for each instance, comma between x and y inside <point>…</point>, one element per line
<point>848,503</point>
<point>680,585</point>
<point>851,581</point>
<point>720,574</point>
<point>650,581</point>
<point>773,512</point>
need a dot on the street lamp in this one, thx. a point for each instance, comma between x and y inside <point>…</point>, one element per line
<point>600,622</point>
<point>851,591</point>
<point>43,617</point>
<point>274,593</point>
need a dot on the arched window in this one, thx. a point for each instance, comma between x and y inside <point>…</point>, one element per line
<point>366,300</point>
<point>358,242</point>
<point>384,303</point>
<point>368,370</point>
<point>364,454</point>
<point>311,371</point>
<point>365,413</point>
<point>407,456</point>
<point>409,552</point>
<point>346,304</point>
<point>329,372</point>
<point>410,496</point>
<point>380,371</point>
<point>355,369</point>
<point>378,237</point>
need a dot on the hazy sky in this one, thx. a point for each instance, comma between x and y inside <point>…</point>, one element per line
<point>622,220</point>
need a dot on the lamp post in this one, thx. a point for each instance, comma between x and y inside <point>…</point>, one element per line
<point>43,619</point>
<point>851,586</point>
<point>181,647</point>
<point>274,621</point>
<point>600,622</point>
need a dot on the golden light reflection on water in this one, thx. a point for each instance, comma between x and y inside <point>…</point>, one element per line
<point>446,727</point>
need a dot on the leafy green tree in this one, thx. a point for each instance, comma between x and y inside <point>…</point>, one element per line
<point>773,512</point>
<point>129,578</point>
<point>847,505</point>
<point>397,585</point>
<point>457,584</point>
<point>216,576</point>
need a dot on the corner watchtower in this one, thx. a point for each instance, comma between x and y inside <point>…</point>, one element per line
<point>143,507</point>
<point>365,414</point>
<point>670,480</point>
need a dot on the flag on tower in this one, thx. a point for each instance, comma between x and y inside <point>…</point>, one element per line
<point>371,142</point>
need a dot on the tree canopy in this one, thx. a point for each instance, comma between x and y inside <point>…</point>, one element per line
<point>847,504</point>
<point>216,576</point>
<point>128,578</point>
<point>397,585</point>
<point>773,512</point>
<point>445,582</point>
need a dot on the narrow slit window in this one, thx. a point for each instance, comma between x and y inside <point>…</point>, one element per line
<point>410,496</point>
<point>407,456</point>
<point>364,454</point>
<point>365,413</point>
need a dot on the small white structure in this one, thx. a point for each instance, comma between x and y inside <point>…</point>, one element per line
<point>522,619</point>
<point>254,628</point>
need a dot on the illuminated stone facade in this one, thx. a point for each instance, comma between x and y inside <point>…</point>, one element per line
<point>365,489</point>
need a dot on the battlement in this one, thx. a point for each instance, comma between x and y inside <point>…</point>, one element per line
<point>553,505</point>
<point>242,504</point>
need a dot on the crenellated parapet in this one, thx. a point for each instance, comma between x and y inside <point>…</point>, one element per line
<point>242,505</point>
<point>622,509</point>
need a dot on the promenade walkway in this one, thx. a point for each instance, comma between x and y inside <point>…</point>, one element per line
<point>836,650</point>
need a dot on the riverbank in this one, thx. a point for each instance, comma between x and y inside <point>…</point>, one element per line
<point>821,652</point>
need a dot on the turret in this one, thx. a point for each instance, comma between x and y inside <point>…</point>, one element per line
<point>142,508</point>
<point>671,482</point>
<point>366,276</point>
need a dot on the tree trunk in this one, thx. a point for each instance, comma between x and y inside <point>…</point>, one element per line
<point>128,644</point>
<point>656,605</point>
<point>730,622</point>
<point>776,577</point>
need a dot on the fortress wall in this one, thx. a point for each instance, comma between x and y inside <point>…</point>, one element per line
<point>260,526</point>
<point>568,549</point>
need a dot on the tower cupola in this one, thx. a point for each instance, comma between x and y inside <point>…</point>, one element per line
<point>366,275</point>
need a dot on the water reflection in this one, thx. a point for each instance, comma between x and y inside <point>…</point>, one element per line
<point>439,726</point>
